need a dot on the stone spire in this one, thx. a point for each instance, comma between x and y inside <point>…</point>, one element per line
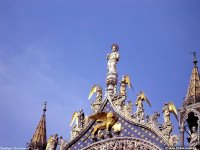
<point>193,93</point>
<point>39,140</point>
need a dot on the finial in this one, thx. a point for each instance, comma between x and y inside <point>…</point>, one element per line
<point>195,59</point>
<point>45,107</point>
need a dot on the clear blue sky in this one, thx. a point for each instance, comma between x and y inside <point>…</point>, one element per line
<point>56,50</point>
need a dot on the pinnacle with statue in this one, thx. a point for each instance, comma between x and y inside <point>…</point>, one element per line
<point>117,123</point>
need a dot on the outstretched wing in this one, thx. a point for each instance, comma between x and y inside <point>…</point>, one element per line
<point>172,108</point>
<point>92,91</point>
<point>145,98</point>
<point>128,81</point>
<point>101,116</point>
<point>74,117</point>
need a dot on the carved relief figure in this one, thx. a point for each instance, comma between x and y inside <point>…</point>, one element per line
<point>123,144</point>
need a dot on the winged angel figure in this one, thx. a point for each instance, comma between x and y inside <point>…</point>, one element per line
<point>167,127</point>
<point>123,83</point>
<point>79,120</point>
<point>97,103</point>
<point>167,109</point>
<point>140,108</point>
<point>120,99</point>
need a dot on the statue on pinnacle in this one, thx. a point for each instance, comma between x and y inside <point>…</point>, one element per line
<point>112,75</point>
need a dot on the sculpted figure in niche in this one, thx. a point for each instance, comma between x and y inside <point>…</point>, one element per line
<point>193,139</point>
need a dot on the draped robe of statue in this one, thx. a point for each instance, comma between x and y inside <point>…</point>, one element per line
<point>112,75</point>
<point>166,114</point>
<point>112,61</point>
<point>193,138</point>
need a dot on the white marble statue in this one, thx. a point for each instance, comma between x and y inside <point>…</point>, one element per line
<point>113,58</point>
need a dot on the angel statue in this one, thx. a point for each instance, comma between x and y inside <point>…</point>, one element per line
<point>167,127</point>
<point>167,109</point>
<point>104,121</point>
<point>139,114</point>
<point>122,94</point>
<point>98,101</point>
<point>123,83</point>
<point>52,142</point>
<point>79,119</point>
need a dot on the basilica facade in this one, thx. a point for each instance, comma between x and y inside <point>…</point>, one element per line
<point>113,125</point>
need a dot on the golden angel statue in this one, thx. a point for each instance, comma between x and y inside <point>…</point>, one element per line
<point>120,100</point>
<point>139,114</point>
<point>79,119</point>
<point>167,109</point>
<point>96,89</point>
<point>96,104</point>
<point>167,126</point>
<point>123,83</point>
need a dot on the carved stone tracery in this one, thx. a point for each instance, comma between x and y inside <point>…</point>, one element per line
<point>124,143</point>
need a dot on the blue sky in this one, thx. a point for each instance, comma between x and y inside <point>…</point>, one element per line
<point>55,51</point>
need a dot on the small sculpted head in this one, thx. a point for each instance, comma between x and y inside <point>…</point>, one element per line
<point>194,129</point>
<point>115,47</point>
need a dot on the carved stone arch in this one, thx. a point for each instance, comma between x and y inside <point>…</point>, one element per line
<point>123,143</point>
<point>185,117</point>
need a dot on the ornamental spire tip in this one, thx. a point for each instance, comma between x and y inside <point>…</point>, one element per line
<point>195,59</point>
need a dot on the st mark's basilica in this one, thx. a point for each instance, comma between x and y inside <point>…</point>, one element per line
<point>113,125</point>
